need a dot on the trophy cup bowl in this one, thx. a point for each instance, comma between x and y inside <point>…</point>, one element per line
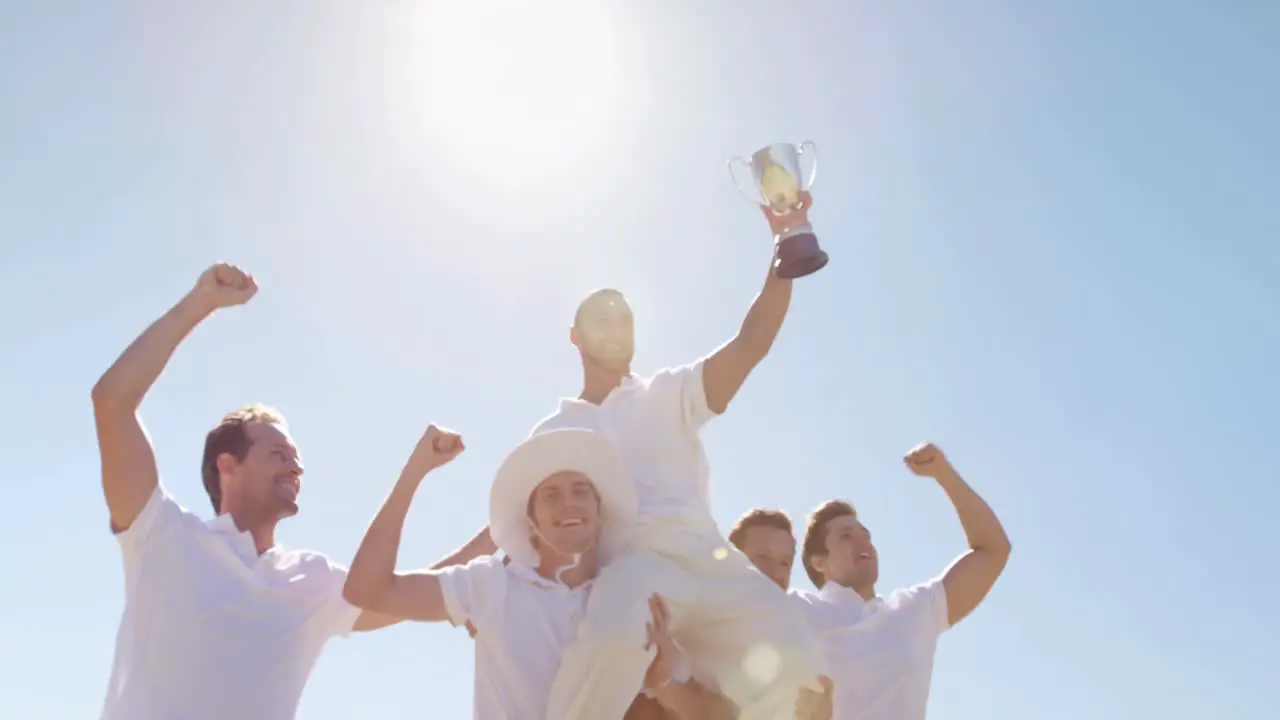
<point>778,175</point>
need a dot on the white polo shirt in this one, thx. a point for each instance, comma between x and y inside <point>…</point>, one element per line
<point>655,423</point>
<point>523,622</point>
<point>880,651</point>
<point>212,630</point>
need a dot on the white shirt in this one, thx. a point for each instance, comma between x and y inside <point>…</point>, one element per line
<point>655,423</point>
<point>212,630</point>
<point>523,622</point>
<point>880,651</point>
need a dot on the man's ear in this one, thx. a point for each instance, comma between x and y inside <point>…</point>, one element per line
<point>819,562</point>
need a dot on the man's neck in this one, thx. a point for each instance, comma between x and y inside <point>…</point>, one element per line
<point>598,382</point>
<point>263,532</point>
<point>550,568</point>
<point>866,592</point>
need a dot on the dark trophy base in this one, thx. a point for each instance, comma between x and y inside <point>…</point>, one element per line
<point>798,255</point>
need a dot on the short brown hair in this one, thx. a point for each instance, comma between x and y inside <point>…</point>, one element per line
<point>231,435</point>
<point>815,535</point>
<point>758,517</point>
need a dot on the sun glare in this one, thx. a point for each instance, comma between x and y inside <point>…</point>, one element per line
<point>519,90</point>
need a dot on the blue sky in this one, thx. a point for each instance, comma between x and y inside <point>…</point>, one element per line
<point>1053,237</point>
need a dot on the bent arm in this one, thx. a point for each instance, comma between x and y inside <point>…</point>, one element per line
<point>968,580</point>
<point>129,474</point>
<point>374,585</point>
<point>478,546</point>
<point>727,368</point>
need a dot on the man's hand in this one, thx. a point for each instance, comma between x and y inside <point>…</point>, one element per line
<point>927,460</point>
<point>222,286</point>
<point>813,705</point>
<point>658,634</point>
<point>437,447</point>
<point>799,217</point>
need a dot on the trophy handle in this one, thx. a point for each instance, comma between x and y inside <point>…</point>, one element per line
<point>809,150</point>
<point>745,165</point>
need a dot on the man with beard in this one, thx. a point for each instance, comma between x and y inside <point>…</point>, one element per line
<point>881,649</point>
<point>740,633</point>
<point>561,502</point>
<point>220,621</point>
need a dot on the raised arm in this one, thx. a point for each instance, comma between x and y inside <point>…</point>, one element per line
<point>373,583</point>
<point>968,580</point>
<point>727,368</point>
<point>129,474</point>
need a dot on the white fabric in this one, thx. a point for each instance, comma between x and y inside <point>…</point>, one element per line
<point>544,455</point>
<point>735,625</point>
<point>523,624</point>
<point>880,651</point>
<point>655,423</point>
<point>211,630</point>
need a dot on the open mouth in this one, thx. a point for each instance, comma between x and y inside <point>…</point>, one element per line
<point>290,485</point>
<point>569,522</point>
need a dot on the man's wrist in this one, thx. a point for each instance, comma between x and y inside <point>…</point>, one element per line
<point>948,477</point>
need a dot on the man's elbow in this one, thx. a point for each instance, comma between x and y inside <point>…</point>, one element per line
<point>998,550</point>
<point>362,596</point>
<point>108,396</point>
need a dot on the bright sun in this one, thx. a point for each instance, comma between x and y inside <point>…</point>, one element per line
<point>519,91</point>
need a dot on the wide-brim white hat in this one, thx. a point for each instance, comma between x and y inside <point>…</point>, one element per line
<point>544,455</point>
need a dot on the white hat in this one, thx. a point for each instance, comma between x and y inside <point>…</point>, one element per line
<point>544,455</point>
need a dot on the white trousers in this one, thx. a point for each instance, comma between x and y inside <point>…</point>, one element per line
<point>739,629</point>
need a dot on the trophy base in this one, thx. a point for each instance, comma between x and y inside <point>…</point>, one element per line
<point>798,255</point>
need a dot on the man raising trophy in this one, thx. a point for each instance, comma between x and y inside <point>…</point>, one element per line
<point>742,636</point>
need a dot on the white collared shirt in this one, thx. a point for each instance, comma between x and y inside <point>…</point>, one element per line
<point>880,651</point>
<point>655,423</point>
<point>213,630</point>
<point>523,622</point>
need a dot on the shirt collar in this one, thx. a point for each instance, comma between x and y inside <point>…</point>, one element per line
<point>529,575</point>
<point>225,526</point>
<point>629,383</point>
<point>840,595</point>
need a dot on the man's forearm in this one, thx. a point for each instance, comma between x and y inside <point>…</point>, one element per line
<point>982,529</point>
<point>691,701</point>
<point>129,378</point>
<point>373,569</point>
<point>765,316</point>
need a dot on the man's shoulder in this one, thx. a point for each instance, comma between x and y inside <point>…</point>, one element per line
<point>487,566</point>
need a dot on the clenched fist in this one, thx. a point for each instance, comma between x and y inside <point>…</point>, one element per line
<point>437,447</point>
<point>222,286</point>
<point>927,460</point>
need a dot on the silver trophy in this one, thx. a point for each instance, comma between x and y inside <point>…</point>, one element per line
<point>778,174</point>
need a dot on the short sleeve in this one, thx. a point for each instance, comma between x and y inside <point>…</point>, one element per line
<point>927,602</point>
<point>469,590</point>
<point>160,515</point>
<point>685,388</point>
<point>335,615</point>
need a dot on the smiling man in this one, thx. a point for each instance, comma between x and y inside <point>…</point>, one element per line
<point>880,649</point>
<point>560,503</point>
<point>220,621</point>
<point>740,633</point>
